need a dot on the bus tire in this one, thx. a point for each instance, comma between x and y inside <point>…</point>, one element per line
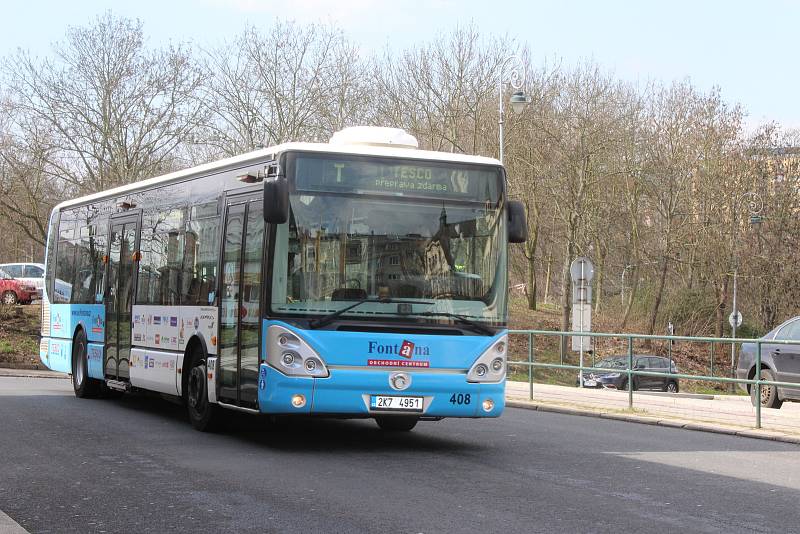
<point>202,414</point>
<point>397,423</point>
<point>84,386</point>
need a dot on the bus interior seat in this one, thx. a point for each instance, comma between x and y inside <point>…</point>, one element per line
<point>408,291</point>
<point>348,293</point>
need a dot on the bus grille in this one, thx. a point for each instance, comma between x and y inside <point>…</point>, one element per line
<point>45,317</point>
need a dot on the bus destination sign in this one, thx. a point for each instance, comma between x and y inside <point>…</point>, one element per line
<point>397,177</point>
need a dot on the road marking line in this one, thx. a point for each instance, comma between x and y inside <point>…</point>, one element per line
<point>9,526</point>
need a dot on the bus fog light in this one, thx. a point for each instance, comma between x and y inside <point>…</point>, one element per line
<point>298,400</point>
<point>287,358</point>
<point>481,370</point>
<point>488,405</point>
<point>497,365</point>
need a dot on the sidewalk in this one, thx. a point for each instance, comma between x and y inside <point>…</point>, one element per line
<point>729,414</point>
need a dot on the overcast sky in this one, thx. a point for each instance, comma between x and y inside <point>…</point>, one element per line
<point>747,48</point>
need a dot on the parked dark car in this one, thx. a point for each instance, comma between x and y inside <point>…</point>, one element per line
<point>779,362</point>
<point>13,291</point>
<point>641,362</point>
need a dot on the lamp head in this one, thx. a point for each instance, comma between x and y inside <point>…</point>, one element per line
<point>518,101</point>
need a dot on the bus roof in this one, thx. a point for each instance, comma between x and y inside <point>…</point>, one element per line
<point>272,152</point>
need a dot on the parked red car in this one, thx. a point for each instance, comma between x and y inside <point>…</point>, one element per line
<point>12,291</point>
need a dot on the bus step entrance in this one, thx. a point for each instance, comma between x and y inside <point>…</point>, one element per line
<point>118,385</point>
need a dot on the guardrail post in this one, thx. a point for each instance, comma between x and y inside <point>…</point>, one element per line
<point>712,359</point>
<point>530,366</point>
<point>630,372</point>
<point>757,385</point>
<point>669,353</point>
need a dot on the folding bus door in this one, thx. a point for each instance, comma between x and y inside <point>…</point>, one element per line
<point>242,282</point>
<point>121,269</point>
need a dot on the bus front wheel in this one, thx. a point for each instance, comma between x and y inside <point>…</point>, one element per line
<point>202,414</point>
<point>397,423</point>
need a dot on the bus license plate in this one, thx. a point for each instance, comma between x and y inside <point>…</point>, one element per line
<point>385,402</point>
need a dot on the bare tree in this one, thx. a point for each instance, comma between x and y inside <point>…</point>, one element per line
<point>288,83</point>
<point>444,92</point>
<point>115,110</point>
<point>27,191</point>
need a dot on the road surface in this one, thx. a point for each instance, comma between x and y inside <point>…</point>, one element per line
<point>135,465</point>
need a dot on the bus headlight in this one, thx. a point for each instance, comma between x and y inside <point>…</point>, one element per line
<point>287,359</point>
<point>292,356</point>
<point>491,366</point>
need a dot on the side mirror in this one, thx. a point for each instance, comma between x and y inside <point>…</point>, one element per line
<point>276,200</point>
<point>517,225</point>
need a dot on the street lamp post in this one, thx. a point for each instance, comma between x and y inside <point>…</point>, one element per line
<point>516,79</point>
<point>754,204</point>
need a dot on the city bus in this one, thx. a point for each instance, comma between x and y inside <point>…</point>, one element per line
<point>359,278</point>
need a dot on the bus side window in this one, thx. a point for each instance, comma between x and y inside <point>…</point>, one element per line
<point>200,261</point>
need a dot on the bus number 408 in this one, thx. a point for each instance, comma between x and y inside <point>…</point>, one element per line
<point>460,398</point>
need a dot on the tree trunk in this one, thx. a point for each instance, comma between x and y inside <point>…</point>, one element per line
<point>721,294</point>
<point>547,276</point>
<point>530,254</point>
<point>566,288</point>
<point>631,297</point>
<point>531,287</point>
<point>659,294</point>
<point>601,270</point>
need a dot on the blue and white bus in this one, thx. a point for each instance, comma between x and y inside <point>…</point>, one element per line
<point>359,278</point>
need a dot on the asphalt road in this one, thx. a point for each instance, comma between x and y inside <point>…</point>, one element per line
<point>136,465</point>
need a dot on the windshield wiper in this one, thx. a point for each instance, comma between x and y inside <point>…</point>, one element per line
<point>463,319</point>
<point>327,319</point>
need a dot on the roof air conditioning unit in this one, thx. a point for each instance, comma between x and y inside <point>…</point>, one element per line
<point>374,136</point>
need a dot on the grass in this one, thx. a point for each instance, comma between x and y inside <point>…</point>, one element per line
<point>19,337</point>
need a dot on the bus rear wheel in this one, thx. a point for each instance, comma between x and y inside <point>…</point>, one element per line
<point>84,386</point>
<point>202,414</point>
<point>397,423</point>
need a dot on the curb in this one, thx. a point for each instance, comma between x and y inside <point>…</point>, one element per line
<point>26,373</point>
<point>650,420</point>
<point>9,526</point>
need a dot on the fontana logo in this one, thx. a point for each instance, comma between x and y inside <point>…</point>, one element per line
<point>406,349</point>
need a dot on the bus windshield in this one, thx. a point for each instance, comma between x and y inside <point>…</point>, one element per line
<point>414,256</point>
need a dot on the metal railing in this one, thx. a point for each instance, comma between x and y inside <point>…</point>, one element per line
<point>631,372</point>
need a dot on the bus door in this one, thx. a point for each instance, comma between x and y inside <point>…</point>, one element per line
<point>121,269</point>
<point>244,244</point>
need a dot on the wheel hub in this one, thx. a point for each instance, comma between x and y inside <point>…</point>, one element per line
<point>197,379</point>
<point>79,366</point>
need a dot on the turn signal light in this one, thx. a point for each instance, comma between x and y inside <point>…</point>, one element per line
<point>488,405</point>
<point>298,400</point>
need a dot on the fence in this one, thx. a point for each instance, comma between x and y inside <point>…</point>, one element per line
<point>532,364</point>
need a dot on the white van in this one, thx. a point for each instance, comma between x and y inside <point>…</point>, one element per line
<point>29,273</point>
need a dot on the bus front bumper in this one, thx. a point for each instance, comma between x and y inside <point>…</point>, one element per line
<point>348,392</point>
